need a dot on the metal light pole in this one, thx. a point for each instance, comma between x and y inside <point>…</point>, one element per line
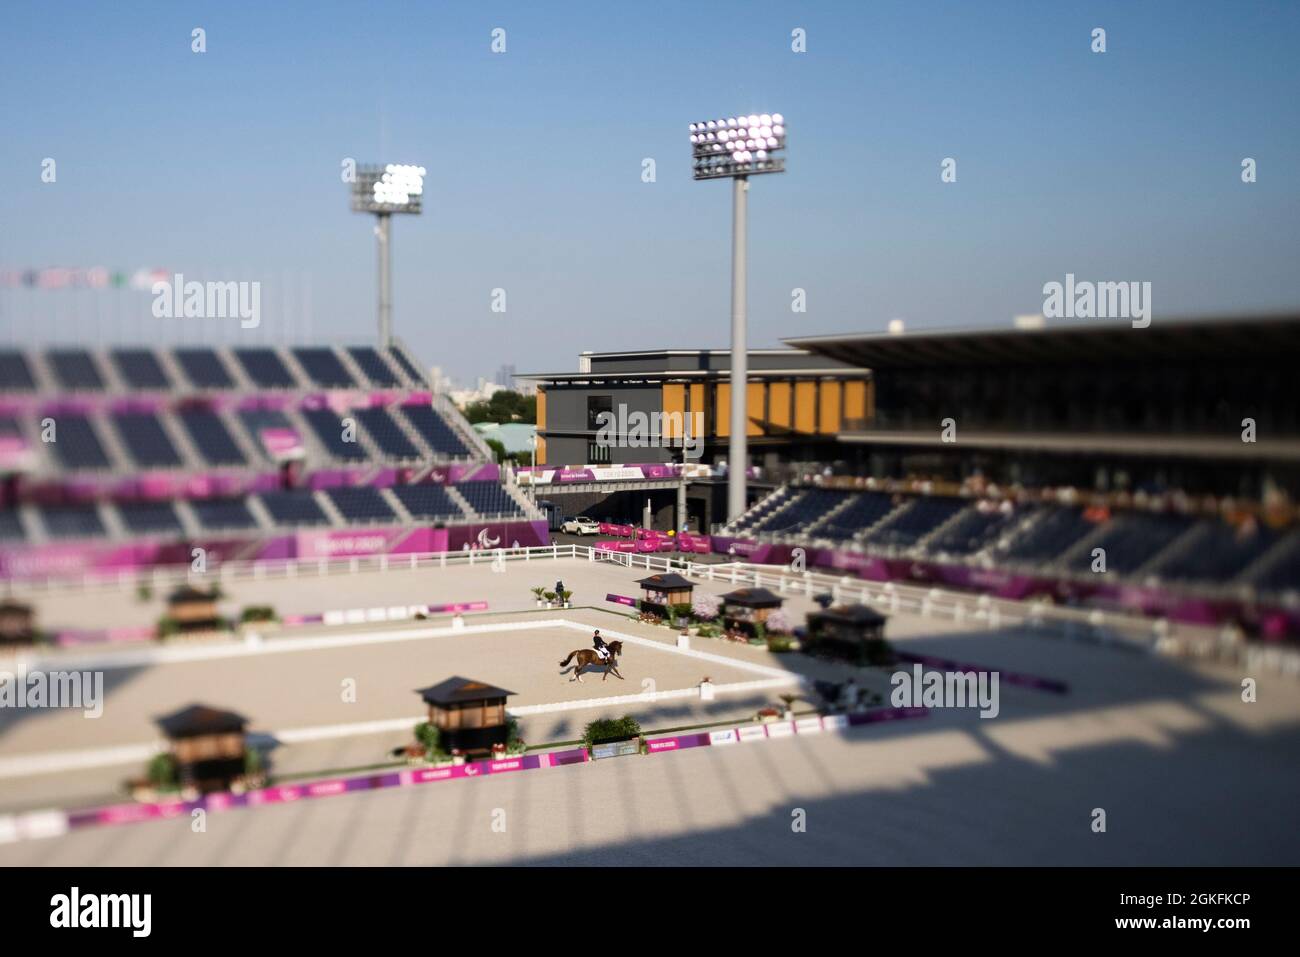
<point>384,190</point>
<point>738,147</point>
<point>738,450</point>
<point>383,233</point>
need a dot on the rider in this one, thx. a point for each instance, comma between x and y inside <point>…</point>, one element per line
<point>601,648</point>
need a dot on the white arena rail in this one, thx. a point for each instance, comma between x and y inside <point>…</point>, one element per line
<point>1091,624</point>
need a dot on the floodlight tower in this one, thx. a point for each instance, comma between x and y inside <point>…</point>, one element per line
<point>384,190</point>
<point>738,147</point>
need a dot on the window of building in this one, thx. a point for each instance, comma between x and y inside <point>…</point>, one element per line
<point>596,404</point>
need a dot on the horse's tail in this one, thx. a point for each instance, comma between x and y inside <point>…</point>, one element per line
<point>568,659</point>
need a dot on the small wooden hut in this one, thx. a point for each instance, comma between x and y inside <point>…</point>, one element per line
<point>193,609</point>
<point>746,608</point>
<point>16,623</point>
<point>208,745</point>
<point>469,715</point>
<point>660,592</point>
<point>852,632</point>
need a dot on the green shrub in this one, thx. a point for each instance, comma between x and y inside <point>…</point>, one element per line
<point>253,763</point>
<point>604,730</point>
<point>168,626</point>
<point>514,741</point>
<point>162,772</point>
<point>428,735</point>
<point>144,591</point>
<point>680,610</point>
<point>258,613</point>
<point>549,596</point>
<point>779,645</point>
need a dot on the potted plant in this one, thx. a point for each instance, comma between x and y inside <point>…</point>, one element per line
<point>538,592</point>
<point>514,741</point>
<point>564,597</point>
<point>681,614</point>
<point>788,700</point>
<point>258,617</point>
<point>550,599</point>
<point>610,731</point>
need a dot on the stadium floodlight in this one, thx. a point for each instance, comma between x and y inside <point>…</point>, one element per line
<point>738,147</point>
<point>384,190</point>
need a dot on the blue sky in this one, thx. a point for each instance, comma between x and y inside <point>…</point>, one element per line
<point>1116,166</point>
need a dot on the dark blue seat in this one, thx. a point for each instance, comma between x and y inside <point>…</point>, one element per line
<point>392,441</point>
<point>361,504</point>
<point>75,370</point>
<point>294,507</point>
<point>264,367</point>
<point>324,368</point>
<point>434,429</point>
<point>146,440</point>
<point>375,368</point>
<point>211,437</point>
<point>140,369</point>
<point>427,502</point>
<point>203,367</point>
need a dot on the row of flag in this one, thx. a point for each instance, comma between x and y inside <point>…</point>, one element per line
<point>74,277</point>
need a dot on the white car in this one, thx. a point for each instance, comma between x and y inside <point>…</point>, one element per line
<point>582,525</point>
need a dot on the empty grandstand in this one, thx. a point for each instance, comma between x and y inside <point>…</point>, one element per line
<point>1151,469</point>
<point>136,456</point>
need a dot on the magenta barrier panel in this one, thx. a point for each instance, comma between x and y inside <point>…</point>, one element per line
<point>90,637</point>
<point>676,743</point>
<point>289,793</point>
<point>886,714</point>
<point>303,619</point>
<point>623,600</point>
<point>458,607</point>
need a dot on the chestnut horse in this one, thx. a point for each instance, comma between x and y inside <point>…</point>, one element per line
<point>587,658</point>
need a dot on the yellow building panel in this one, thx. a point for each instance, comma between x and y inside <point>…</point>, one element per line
<point>722,407</point>
<point>830,413</point>
<point>805,407</point>
<point>699,409</point>
<point>855,402</point>
<point>541,450</point>
<point>674,404</point>
<point>541,409</point>
<point>778,405</point>
<point>754,395</point>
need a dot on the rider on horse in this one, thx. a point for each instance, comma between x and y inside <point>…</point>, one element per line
<point>600,646</point>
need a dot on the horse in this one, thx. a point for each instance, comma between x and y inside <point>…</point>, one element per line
<point>587,658</point>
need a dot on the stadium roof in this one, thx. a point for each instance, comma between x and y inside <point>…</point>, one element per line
<point>1073,341</point>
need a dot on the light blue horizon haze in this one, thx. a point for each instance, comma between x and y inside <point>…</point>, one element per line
<point>1117,166</point>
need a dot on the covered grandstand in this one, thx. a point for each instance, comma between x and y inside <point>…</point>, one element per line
<point>1152,469</point>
